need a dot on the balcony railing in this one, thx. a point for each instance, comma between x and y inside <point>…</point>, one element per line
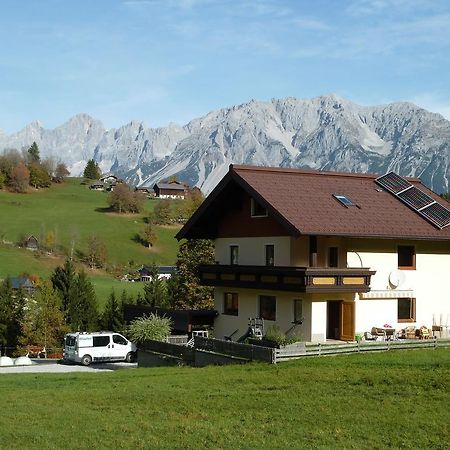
<point>287,278</point>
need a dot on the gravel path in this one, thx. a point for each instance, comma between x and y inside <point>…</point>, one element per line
<point>51,367</point>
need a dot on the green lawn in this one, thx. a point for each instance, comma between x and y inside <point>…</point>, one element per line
<point>73,213</point>
<point>386,400</point>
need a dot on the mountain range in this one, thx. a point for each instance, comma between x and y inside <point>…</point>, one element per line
<point>325,133</point>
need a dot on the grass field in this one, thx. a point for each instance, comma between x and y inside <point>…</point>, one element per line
<point>73,213</point>
<point>386,400</point>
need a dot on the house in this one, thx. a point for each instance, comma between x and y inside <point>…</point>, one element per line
<point>172,190</point>
<point>97,186</point>
<point>32,243</point>
<point>23,283</point>
<point>110,179</point>
<point>148,190</point>
<point>164,273</point>
<point>324,255</point>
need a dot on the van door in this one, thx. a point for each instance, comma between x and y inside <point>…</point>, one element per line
<point>101,348</point>
<point>119,347</point>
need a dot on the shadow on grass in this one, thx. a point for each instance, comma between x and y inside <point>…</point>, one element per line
<point>104,210</point>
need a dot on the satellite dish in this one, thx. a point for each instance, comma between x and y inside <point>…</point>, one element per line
<point>396,278</point>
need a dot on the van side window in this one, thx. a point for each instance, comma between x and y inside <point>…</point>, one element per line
<point>100,341</point>
<point>118,339</point>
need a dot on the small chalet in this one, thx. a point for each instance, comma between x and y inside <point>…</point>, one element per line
<point>148,190</point>
<point>110,179</point>
<point>164,273</point>
<point>23,283</point>
<point>32,243</point>
<point>172,190</point>
<point>325,255</point>
<point>97,186</point>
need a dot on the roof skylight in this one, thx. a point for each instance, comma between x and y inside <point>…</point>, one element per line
<point>344,200</point>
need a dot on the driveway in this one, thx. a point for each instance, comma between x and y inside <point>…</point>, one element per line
<point>40,366</point>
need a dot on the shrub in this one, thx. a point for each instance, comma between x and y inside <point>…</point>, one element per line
<point>275,334</point>
<point>149,327</point>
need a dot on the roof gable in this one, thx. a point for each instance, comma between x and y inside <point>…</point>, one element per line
<point>305,202</point>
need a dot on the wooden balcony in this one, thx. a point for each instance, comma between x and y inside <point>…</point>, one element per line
<point>292,279</point>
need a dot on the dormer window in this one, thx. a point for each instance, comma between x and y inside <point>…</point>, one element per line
<point>258,210</point>
<point>344,200</point>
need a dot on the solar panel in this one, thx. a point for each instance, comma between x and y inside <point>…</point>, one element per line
<point>437,214</point>
<point>393,183</point>
<point>415,198</point>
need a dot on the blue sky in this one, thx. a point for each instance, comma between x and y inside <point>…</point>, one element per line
<point>164,61</point>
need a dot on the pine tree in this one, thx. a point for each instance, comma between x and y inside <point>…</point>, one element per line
<point>33,153</point>
<point>64,281</point>
<point>83,314</point>
<point>79,303</point>
<point>155,291</point>
<point>92,171</point>
<point>112,317</point>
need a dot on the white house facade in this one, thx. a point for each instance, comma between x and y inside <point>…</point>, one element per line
<point>325,255</point>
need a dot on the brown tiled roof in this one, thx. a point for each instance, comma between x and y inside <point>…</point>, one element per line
<point>303,202</point>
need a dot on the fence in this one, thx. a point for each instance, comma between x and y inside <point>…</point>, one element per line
<point>286,354</point>
<point>235,349</point>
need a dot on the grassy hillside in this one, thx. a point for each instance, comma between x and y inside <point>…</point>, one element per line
<point>74,213</point>
<point>377,401</point>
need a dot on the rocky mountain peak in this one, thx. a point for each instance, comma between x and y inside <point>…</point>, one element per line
<point>326,132</point>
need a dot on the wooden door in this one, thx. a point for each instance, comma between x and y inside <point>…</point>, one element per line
<point>347,327</point>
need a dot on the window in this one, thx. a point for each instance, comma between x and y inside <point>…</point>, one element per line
<point>344,200</point>
<point>258,210</point>
<point>406,257</point>
<point>406,310</point>
<point>333,257</point>
<point>100,341</point>
<point>118,339</point>
<point>231,304</point>
<point>234,255</point>
<point>270,254</point>
<point>267,307</point>
<point>298,311</point>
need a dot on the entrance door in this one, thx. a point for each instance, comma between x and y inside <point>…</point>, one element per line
<point>334,319</point>
<point>347,328</point>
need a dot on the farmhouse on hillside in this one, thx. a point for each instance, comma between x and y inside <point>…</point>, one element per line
<point>170,190</point>
<point>325,255</point>
<point>23,283</point>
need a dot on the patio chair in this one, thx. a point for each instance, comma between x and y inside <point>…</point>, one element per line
<point>379,333</point>
<point>423,333</point>
<point>407,333</point>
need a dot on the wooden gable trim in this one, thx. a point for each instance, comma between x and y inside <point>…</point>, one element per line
<point>232,175</point>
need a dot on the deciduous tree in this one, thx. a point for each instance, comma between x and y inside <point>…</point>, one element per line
<point>61,171</point>
<point>19,178</point>
<point>11,312</point>
<point>96,252</point>
<point>186,292</point>
<point>149,235</point>
<point>43,320</point>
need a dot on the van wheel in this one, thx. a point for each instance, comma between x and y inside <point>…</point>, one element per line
<point>131,357</point>
<point>86,360</point>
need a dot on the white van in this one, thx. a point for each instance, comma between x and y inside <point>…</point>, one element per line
<point>100,346</point>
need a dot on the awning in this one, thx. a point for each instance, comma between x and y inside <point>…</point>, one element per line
<point>388,293</point>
